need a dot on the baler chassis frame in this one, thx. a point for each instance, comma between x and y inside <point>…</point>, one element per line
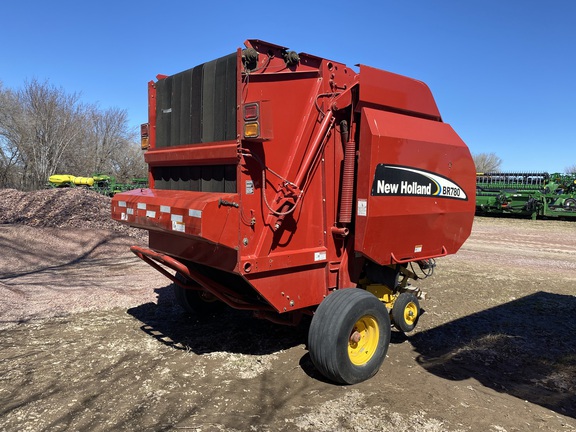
<point>225,295</point>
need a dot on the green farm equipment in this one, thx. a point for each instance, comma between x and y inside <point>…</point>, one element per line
<point>526,194</point>
<point>101,183</point>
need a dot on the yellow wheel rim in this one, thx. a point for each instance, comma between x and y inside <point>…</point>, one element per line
<point>410,313</point>
<point>363,340</point>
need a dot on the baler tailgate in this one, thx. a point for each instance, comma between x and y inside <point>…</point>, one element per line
<point>413,187</point>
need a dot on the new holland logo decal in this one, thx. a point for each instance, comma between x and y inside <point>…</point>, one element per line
<point>395,180</point>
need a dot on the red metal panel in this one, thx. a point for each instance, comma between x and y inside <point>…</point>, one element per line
<point>151,124</point>
<point>195,249</point>
<point>291,290</point>
<point>415,191</point>
<point>181,213</point>
<point>195,154</point>
<point>386,89</point>
<point>152,113</point>
<point>295,120</point>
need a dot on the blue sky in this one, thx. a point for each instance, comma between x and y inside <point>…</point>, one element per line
<point>503,72</point>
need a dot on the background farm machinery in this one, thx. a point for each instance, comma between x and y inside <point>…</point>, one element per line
<point>101,183</point>
<point>526,194</point>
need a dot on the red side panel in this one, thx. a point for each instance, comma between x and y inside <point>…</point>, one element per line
<point>400,93</point>
<point>189,225</point>
<point>416,188</point>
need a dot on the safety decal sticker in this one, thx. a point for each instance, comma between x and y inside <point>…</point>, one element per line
<point>362,207</point>
<point>195,213</point>
<point>396,180</point>
<point>320,256</point>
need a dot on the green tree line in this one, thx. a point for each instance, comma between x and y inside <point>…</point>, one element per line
<point>45,130</point>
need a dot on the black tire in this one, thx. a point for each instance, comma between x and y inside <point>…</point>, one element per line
<point>405,312</point>
<point>196,303</point>
<point>342,316</point>
<point>570,204</point>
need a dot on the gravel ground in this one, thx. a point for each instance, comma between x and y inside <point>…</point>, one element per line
<point>66,255</point>
<point>91,339</point>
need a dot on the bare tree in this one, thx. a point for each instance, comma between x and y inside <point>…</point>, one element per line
<point>38,124</point>
<point>56,120</point>
<point>113,146</point>
<point>129,162</point>
<point>571,169</point>
<point>487,162</point>
<point>109,132</point>
<point>44,130</point>
<point>9,138</point>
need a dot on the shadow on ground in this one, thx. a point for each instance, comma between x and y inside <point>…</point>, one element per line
<point>231,330</point>
<point>525,348</point>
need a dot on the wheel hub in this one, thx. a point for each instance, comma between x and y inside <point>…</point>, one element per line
<point>363,340</point>
<point>410,313</point>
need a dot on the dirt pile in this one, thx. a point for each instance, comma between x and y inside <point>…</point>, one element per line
<point>62,208</point>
